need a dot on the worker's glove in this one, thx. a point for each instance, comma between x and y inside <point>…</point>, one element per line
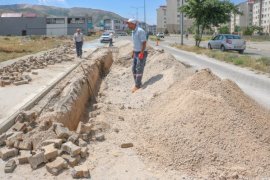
<point>132,55</point>
<point>141,56</point>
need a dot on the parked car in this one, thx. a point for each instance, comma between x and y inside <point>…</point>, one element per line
<point>226,42</point>
<point>122,34</point>
<point>160,35</point>
<point>105,37</point>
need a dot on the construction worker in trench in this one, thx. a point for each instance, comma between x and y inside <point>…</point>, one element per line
<point>139,53</point>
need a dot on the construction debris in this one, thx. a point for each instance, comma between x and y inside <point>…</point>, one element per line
<point>18,72</point>
<point>80,172</point>
<point>56,166</point>
<point>10,166</point>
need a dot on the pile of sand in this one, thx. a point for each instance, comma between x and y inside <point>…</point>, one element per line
<point>207,127</point>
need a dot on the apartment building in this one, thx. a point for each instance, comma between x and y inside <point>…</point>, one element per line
<point>152,29</point>
<point>114,25</point>
<point>161,19</point>
<point>261,14</point>
<point>244,20</point>
<point>171,14</point>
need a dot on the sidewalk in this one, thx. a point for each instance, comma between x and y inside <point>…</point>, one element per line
<point>14,98</point>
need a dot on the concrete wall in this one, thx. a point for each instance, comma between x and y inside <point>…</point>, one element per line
<point>58,27</point>
<point>15,26</point>
<point>71,28</point>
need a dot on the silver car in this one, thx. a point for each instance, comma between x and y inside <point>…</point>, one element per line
<point>228,42</point>
<point>105,37</point>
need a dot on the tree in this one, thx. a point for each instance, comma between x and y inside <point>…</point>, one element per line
<point>237,28</point>
<point>207,13</point>
<point>224,29</point>
<point>248,31</point>
<point>166,31</point>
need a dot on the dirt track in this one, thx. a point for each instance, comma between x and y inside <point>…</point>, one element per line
<point>183,124</point>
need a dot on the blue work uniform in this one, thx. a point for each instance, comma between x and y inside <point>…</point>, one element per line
<point>138,37</point>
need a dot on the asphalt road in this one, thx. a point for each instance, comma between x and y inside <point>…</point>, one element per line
<point>255,85</point>
<point>257,49</point>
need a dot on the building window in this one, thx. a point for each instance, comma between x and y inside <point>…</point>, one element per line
<point>76,20</point>
<point>55,20</point>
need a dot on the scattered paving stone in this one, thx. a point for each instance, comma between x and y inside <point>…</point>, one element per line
<point>73,138</point>
<point>100,137</point>
<point>23,145</point>
<point>57,142</point>
<point>3,138</point>
<point>82,143</point>
<point>85,137</point>
<point>37,160</point>
<point>35,73</point>
<point>121,118</point>
<point>2,83</point>
<point>84,128</point>
<point>15,136</point>
<point>56,166</point>
<point>71,149</point>
<point>19,126</point>
<point>72,161</point>
<point>84,152</point>
<point>28,78</point>
<point>24,155</point>
<point>6,82</point>
<point>62,132</point>
<point>10,166</point>
<point>116,130</point>
<point>20,82</point>
<point>6,153</point>
<point>50,152</point>
<point>80,172</point>
<point>126,145</point>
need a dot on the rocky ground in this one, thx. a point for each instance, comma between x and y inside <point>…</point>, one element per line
<point>181,124</point>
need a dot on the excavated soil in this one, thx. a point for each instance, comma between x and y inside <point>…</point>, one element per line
<point>182,124</point>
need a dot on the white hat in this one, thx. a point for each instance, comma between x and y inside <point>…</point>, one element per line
<point>133,21</point>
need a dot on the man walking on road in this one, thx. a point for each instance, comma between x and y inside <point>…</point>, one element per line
<point>78,39</point>
<point>139,53</point>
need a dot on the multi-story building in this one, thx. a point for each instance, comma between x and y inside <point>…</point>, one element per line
<point>161,19</point>
<point>243,20</point>
<point>114,24</point>
<point>173,17</point>
<point>152,29</point>
<point>30,24</point>
<point>261,14</point>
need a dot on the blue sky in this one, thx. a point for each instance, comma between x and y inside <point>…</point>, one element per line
<point>125,8</point>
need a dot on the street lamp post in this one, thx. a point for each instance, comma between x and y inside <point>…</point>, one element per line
<point>182,24</point>
<point>137,11</point>
<point>144,16</point>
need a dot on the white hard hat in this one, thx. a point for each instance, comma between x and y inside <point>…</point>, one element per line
<point>133,21</point>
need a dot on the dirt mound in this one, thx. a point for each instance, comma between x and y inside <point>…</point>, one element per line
<point>208,127</point>
<point>161,71</point>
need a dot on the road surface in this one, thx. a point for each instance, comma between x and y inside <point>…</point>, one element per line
<point>257,49</point>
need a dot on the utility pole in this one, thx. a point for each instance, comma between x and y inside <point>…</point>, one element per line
<point>137,11</point>
<point>260,18</point>
<point>182,24</point>
<point>144,16</point>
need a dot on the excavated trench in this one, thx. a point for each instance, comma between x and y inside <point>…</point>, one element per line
<point>67,103</point>
<point>70,106</point>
